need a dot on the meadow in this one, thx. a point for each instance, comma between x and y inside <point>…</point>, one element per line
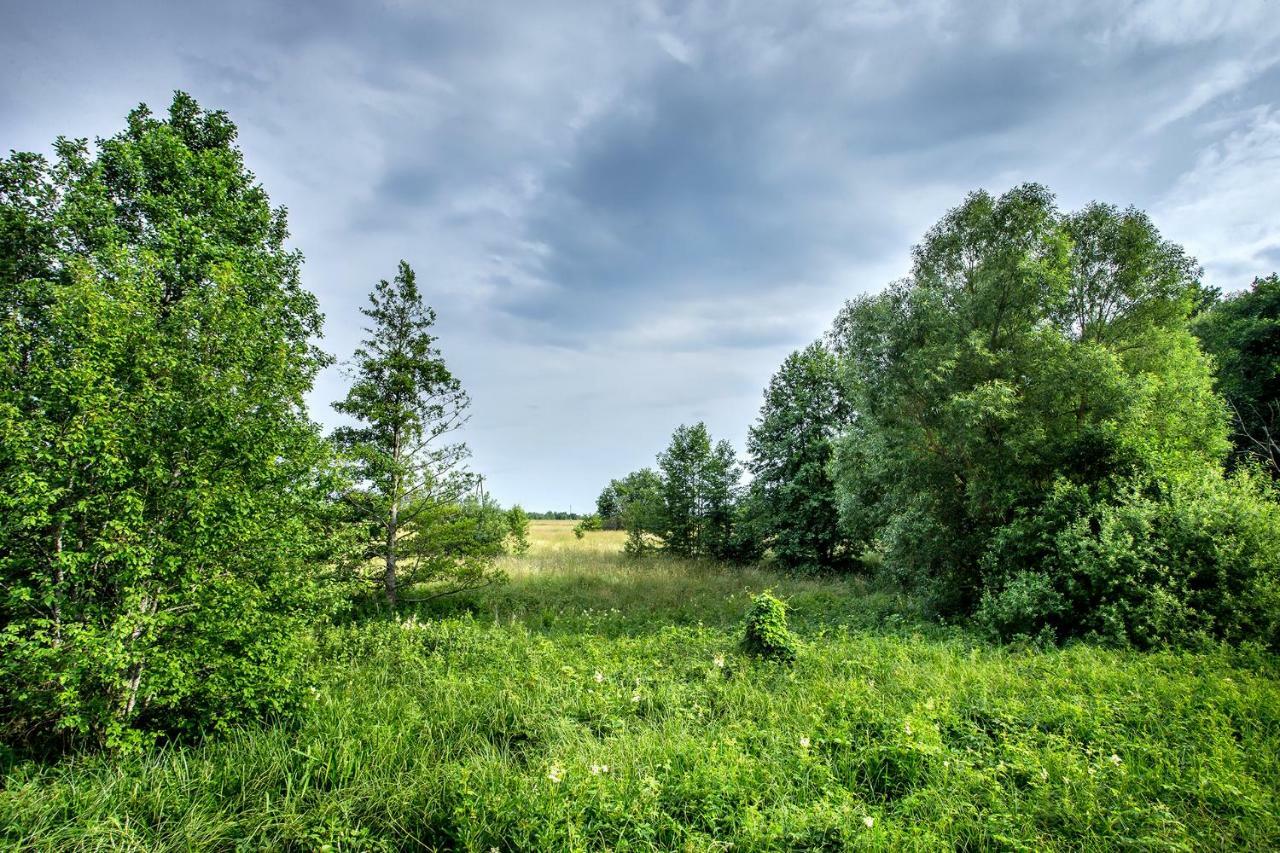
<point>594,702</point>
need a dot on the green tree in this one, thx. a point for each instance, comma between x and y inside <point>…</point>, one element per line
<point>518,529</point>
<point>1242,333</point>
<point>1029,351</point>
<point>451,546</point>
<point>161,487</point>
<point>406,404</point>
<point>699,490</point>
<point>790,447</point>
<point>608,506</point>
<point>641,511</point>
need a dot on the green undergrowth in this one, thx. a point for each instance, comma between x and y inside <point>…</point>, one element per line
<point>593,703</point>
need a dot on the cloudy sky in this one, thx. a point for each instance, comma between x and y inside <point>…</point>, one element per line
<point>627,214</point>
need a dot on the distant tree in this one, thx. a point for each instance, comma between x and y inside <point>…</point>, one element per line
<point>608,507</point>
<point>406,403</point>
<point>1242,333</point>
<point>641,510</point>
<point>790,447</point>
<point>699,488</point>
<point>586,525</point>
<point>162,490</point>
<point>518,529</point>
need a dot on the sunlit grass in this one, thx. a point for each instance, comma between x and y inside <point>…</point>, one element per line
<point>595,702</point>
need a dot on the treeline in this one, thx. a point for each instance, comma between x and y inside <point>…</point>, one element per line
<point>1049,429</point>
<point>555,515</point>
<point>172,523</point>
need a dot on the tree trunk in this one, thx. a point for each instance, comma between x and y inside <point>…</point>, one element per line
<point>389,574</point>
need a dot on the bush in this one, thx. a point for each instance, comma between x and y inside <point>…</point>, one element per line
<point>589,522</point>
<point>766,633</point>
<point>1151,561</point>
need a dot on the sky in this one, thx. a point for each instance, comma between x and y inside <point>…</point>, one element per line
<point>627,214</point>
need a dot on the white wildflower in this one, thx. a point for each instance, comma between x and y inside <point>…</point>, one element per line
<point>556,773</point>
<point>718,660</point>
<point>804,741</point>
<point>869,821</point>
<point>635,697</point>
<point>597,769</point>
<point>599,677</point>
<point>1114,759</point>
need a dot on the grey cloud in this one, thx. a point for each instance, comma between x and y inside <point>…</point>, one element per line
<point>627,215</point>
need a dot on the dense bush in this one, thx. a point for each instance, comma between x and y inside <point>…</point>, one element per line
<point>765,632</point>
<point>587,524</point>
<point>1163,559</point>
<point>162,491</point>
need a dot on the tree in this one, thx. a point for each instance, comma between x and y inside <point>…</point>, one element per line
<point>453,546</point>
<point>1030,354</point>
<point>790,445</point>
<point>699,489</point>
<point>641,511</point>
<point>406,403</point>
<point>608,506</point>
<point>1242,333</point>
<point>161,487</point>
<point>518,530</point>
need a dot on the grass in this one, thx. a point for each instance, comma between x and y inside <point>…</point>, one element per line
<point>584,706</point>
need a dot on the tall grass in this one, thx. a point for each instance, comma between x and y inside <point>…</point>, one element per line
<point>595,703</point>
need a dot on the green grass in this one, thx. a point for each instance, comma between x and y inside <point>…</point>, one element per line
<point>487,722</point>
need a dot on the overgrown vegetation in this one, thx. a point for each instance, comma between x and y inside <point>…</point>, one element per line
<point>219,629</point>
<point>595,702</point>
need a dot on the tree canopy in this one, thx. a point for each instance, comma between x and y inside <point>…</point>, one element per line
<point>1030,354</point>
<point>161,486</point>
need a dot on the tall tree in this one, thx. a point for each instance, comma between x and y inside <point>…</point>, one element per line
<point>406,403</point>
<point>1032,415</point>
<point>790,445</point>
<point>700,489</point>
<point>160,482</point>
<point>1242,333</point>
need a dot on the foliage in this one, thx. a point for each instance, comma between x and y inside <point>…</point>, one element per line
<point>588,523</point>
<point>937,739</point>
<point>609,507</point>
<point>765,632</point>
<point>1242,333</point>
<point>1030,352</point>
<point>518,530</point>
<point>162,492</point>
<point>1164,559</point>
<point>699,491</point>
<point>449,547</point>
<point>790,446</point>
<point>406,402</point>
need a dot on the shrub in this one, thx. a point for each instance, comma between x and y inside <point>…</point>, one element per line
<point>588,522</point>
<point>766,633</point>
<point>1150,561</point>
<point>518,525</point>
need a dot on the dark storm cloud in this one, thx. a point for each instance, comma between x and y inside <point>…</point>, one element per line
<point>627,214</point>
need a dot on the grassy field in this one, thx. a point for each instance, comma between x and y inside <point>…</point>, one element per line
<point>594,703</point>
